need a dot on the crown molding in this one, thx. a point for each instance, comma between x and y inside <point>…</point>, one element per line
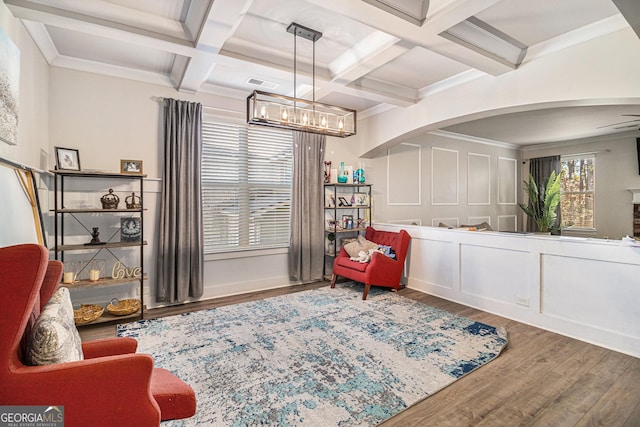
<point>474,139</point>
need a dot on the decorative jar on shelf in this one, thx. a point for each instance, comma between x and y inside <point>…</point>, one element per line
<point>342,178</point>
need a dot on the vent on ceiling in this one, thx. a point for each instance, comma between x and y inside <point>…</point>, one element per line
<point>262,83</point>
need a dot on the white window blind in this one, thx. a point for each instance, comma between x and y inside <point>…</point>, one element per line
<point>246,187</point>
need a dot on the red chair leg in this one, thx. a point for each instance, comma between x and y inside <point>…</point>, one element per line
<point>366,291</point>
<point>333,280</point>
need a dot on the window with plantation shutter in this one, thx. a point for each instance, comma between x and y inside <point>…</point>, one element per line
<point>246,187</point>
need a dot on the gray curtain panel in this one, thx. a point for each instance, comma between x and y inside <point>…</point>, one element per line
<point>306,249</point>
<point>541,168</point>
<point>180,241</point>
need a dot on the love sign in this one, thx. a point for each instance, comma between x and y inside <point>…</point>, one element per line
<point>121,272</point>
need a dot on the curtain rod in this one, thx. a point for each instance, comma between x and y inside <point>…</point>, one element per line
<point>206,107</point>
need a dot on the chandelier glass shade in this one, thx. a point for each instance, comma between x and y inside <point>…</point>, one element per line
<point>270,109</point>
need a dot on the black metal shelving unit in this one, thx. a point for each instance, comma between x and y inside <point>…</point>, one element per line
<point>60,211</point>
<point>334,210</point>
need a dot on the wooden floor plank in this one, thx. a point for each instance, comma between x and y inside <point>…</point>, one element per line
<point>540,379</point>
<point>618,405</point>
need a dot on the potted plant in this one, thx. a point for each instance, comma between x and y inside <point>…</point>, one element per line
<point>543,202</point>
<point>331,237</point>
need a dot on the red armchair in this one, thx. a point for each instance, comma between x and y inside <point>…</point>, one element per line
<point>112,386</point>
<point>381,270</point>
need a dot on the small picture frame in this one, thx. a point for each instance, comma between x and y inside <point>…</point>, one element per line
<point>67,159</point>
<point>361,199</point>
<point>130,230</point>
<point>347,222</point>
<point>131,167</point>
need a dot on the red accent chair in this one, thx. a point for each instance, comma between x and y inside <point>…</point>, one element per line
<point>112,386</point>
<point>381,270</point>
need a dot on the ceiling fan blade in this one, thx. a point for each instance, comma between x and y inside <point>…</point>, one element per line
<point>630,115</point>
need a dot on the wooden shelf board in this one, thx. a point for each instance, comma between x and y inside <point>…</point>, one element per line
<point>110,318</point>
<point>96,210</point>
<point>105,281</point>
<point>98,174</point>
<point>345,230</point>
<point>83,247</point>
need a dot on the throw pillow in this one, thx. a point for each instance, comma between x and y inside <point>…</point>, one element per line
<point>367,245</point>
<point>361,244</point>
<point>54,337</point>
<point>388,251</point>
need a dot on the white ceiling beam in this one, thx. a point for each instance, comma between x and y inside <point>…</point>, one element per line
<point>108,11</point>
<point>99,27</point>
<point>630,9</point>
<point>220,22</point>
<point>41,37</point>
<point>427,35</point>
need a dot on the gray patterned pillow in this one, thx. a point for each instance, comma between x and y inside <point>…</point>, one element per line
<point>54,337</point>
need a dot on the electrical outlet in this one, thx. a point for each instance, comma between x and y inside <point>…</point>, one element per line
<point>524,301</point>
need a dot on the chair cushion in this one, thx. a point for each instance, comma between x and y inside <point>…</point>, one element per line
<point>54,337</point>
<point>175,397</point>
<point>353,265</point>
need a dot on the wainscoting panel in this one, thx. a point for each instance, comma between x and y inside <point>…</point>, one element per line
<point>591,292</point>
<point>507,181</point>
<point>478,179</point>
<point>404,175</point>
<point>444,176</point>
<point>507,223</point>
<point>496,274</point>
<point>434,262</point>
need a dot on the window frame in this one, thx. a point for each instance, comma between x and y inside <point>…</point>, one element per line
<point>582,157</point>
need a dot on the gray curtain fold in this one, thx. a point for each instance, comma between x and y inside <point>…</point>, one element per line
<point>541,168</point>
<point>180,259</point>
<point>306,249</point>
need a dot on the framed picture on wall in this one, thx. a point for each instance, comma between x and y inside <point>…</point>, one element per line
<point>133,167</point>
<point>67,159</point>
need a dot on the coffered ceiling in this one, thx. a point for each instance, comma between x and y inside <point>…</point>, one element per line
<point>368,59</point>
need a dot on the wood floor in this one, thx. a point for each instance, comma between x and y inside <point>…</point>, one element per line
<point>540,379</point>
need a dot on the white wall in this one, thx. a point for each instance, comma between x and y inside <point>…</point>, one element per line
<point>616,172</point>
<point>33,107</point>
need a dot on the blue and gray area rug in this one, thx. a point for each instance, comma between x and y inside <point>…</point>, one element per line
<point>321,357</point>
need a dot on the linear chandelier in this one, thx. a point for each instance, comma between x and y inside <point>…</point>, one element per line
<point>270,109</point>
